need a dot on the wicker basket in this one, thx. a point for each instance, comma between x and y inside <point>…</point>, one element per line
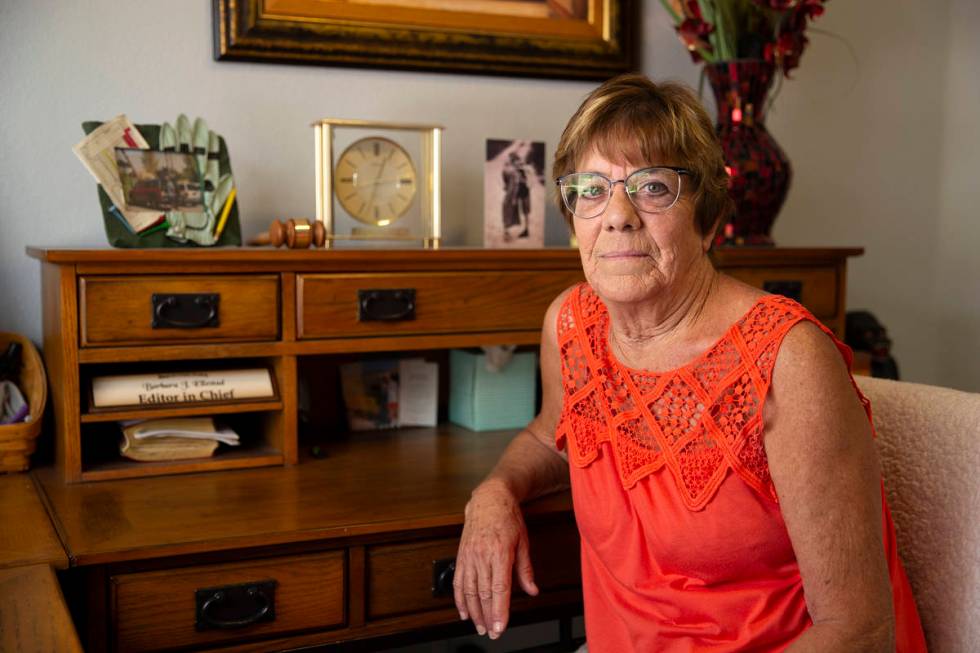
<point>17,441</point>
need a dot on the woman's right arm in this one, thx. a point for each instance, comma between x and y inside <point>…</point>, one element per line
<point>494,537</point>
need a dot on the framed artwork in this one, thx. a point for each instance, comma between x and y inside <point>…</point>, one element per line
<point>513,194</point>
<point>572,39</point>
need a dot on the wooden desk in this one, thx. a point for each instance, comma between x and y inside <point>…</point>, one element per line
<point>33,615</point>
<point>364,525</point>
<point>350,541</point>
<point>26,534</point>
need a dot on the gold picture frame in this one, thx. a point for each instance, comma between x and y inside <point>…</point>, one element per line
<point>570,39</point>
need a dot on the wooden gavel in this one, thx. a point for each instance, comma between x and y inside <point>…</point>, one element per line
<point>294,233</point>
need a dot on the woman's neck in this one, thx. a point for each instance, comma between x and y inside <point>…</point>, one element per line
<point>671,317</point>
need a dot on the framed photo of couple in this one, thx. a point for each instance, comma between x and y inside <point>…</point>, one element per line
<point>514,194</point>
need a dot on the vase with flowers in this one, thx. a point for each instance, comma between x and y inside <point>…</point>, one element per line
<point>747,46</point>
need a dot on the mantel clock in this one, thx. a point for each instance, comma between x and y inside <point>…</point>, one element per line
<point>378,182</point>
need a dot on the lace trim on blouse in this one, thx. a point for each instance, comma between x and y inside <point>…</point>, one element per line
<point>698,421</point>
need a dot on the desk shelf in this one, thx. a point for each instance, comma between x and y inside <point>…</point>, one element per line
<point>203,408</point>
<point>285,306</point>
<point>241,457</point>
<point>257,446</point>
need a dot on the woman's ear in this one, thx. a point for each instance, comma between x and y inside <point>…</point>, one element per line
<point>709,237</point>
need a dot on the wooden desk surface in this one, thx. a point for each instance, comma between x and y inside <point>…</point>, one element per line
<point>33,614</point>
<point>26,534</point>
<point>368,484</point>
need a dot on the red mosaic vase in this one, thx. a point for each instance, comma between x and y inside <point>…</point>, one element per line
<point>759,172</point>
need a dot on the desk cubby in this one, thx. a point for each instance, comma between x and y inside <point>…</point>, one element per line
<point>258,421</point>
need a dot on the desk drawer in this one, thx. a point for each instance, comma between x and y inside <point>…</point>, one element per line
<point>400,580</point>
<point>122,310</point>
<point>158,609</point>
<point>816,286</point>
<point>329,305</point>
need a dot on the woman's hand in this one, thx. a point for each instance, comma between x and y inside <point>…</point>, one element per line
<point>494,538</point>
<point>494,541</point>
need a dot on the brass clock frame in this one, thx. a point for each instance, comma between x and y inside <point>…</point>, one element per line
<point>428,183</point>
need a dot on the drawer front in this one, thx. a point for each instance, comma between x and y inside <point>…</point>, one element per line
<point>329,305</point>
<point>158,610</point>
<point>400,578</point>
<point>816,287</point>
<point>122,310</point>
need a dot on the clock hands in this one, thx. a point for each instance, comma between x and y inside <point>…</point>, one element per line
<point>376,181</point>
<point>374,186</point>
<point>379,182</point>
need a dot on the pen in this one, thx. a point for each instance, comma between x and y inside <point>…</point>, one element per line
<point>119,216</point>
<point>163,224</point>
<point>224,214</point>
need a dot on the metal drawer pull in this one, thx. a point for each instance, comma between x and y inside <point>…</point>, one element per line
<point>386,305</point>
<point>791,289</point>
<point>235,606</point>
<point>185,311</point>
<point>442,577</point>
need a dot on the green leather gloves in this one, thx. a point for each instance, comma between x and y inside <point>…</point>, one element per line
<point>194,223</point>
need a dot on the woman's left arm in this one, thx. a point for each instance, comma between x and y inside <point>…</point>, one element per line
<point>825,470</point>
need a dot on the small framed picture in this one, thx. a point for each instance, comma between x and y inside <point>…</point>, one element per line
<point>513,194</point>
<point>162,181</point>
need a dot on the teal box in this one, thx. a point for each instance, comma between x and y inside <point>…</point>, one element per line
<point>481,400</point>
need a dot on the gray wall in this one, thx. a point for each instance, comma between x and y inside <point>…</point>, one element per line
<point>878,123</point>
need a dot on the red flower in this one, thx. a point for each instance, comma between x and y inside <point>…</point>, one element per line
<point>693,33</point>
<point>777,5</point>
<point>776,27</point>
<point>812,8</point>
<point>693,10</point>
<point>786,51</point>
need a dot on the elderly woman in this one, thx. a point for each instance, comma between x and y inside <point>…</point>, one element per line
<point>720,457</point>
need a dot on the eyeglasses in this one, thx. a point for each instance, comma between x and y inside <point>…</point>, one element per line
<point>651,190</point>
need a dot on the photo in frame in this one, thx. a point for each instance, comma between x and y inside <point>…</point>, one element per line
<point>162,181</point>
<point>513,194</point>
<point>570,39</point>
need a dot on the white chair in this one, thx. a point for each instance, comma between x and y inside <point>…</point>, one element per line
<point>929,443</point>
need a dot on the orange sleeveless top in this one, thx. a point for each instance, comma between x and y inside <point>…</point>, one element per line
<point>684,547</point>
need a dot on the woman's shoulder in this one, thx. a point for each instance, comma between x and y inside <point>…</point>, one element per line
<point>750,307</point>
<point>560,312</point>
<point>736,297</point>
<point>737,304</point>
<point>565,298</point>
<point>808,352</point>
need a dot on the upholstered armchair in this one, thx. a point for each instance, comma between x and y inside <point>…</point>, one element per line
<point>929,442</point>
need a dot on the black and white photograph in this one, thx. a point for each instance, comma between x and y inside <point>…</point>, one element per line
<point>513,194</point>
<point>164,181</point>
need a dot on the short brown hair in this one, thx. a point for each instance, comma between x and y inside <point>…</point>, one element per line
<point>632,117</point>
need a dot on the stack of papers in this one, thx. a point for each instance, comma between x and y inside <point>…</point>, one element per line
<point>97,152</point>
<point>173,438</point>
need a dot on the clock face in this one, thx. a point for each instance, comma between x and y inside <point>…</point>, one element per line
<point>374,181</point>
